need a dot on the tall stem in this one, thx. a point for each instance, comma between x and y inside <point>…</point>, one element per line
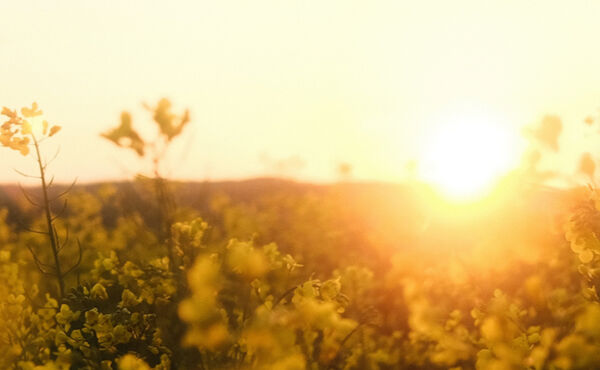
<point>165,207</point>
<point>49,221</point>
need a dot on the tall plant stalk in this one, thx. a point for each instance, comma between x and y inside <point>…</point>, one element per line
<point>17,134</point>
<point>52,235</point>
<point>170,126</point>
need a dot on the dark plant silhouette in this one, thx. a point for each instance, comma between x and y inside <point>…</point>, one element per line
<point>18,134</point>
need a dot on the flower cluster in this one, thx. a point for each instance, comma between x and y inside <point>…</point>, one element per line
<point>17,131</point>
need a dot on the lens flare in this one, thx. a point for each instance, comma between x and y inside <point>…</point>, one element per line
<point>465,157</point>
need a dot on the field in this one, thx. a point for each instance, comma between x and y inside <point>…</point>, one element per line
<point>276,274</point>
<point>270,273</point>
<point>299,185</point>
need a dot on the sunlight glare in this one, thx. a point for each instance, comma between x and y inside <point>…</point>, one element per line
<point>37,125</point>
<point>465,157</point>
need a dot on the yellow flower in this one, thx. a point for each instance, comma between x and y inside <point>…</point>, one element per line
<point>120,334</point>
<point>128,299</point>
<point>54,130</point>
<point>33,112</point>
<point>91,316</point>
<point>130,362</point>
<point>99,292</point>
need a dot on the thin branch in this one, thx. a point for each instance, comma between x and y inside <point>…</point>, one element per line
<point>41,269</point>
<point>341,346</point>
<point>39,264</point>
<point>28,229</point>
<point>56,238</point>
<point>78,263</point>
<point>285,294</point>
<point>343,342</point>
<point>35,257</point>
<point>61,212</point>
<point>35,231</point>
<point>48,162</point>
<point>28,197</point>
<point>65,192</point>
<point>25,175</point>
<point>64,243</point>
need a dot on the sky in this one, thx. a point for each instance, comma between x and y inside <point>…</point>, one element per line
<point>308,83</point>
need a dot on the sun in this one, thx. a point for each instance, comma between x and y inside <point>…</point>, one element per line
<point>463,158</point>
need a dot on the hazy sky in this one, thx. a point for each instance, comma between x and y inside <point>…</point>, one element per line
<point>326,81</point>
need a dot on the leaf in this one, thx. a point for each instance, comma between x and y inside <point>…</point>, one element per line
<point>125,136</point>
<point>24,150</point>
<point>587,165</point>
<point>9,113</point>
<point>54,130</point>
<point>548,132</point>
<point>166,119</point>
<point>33,112</point>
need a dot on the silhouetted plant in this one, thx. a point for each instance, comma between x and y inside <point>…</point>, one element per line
<point>18,133</point>
<point>170,126</point>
